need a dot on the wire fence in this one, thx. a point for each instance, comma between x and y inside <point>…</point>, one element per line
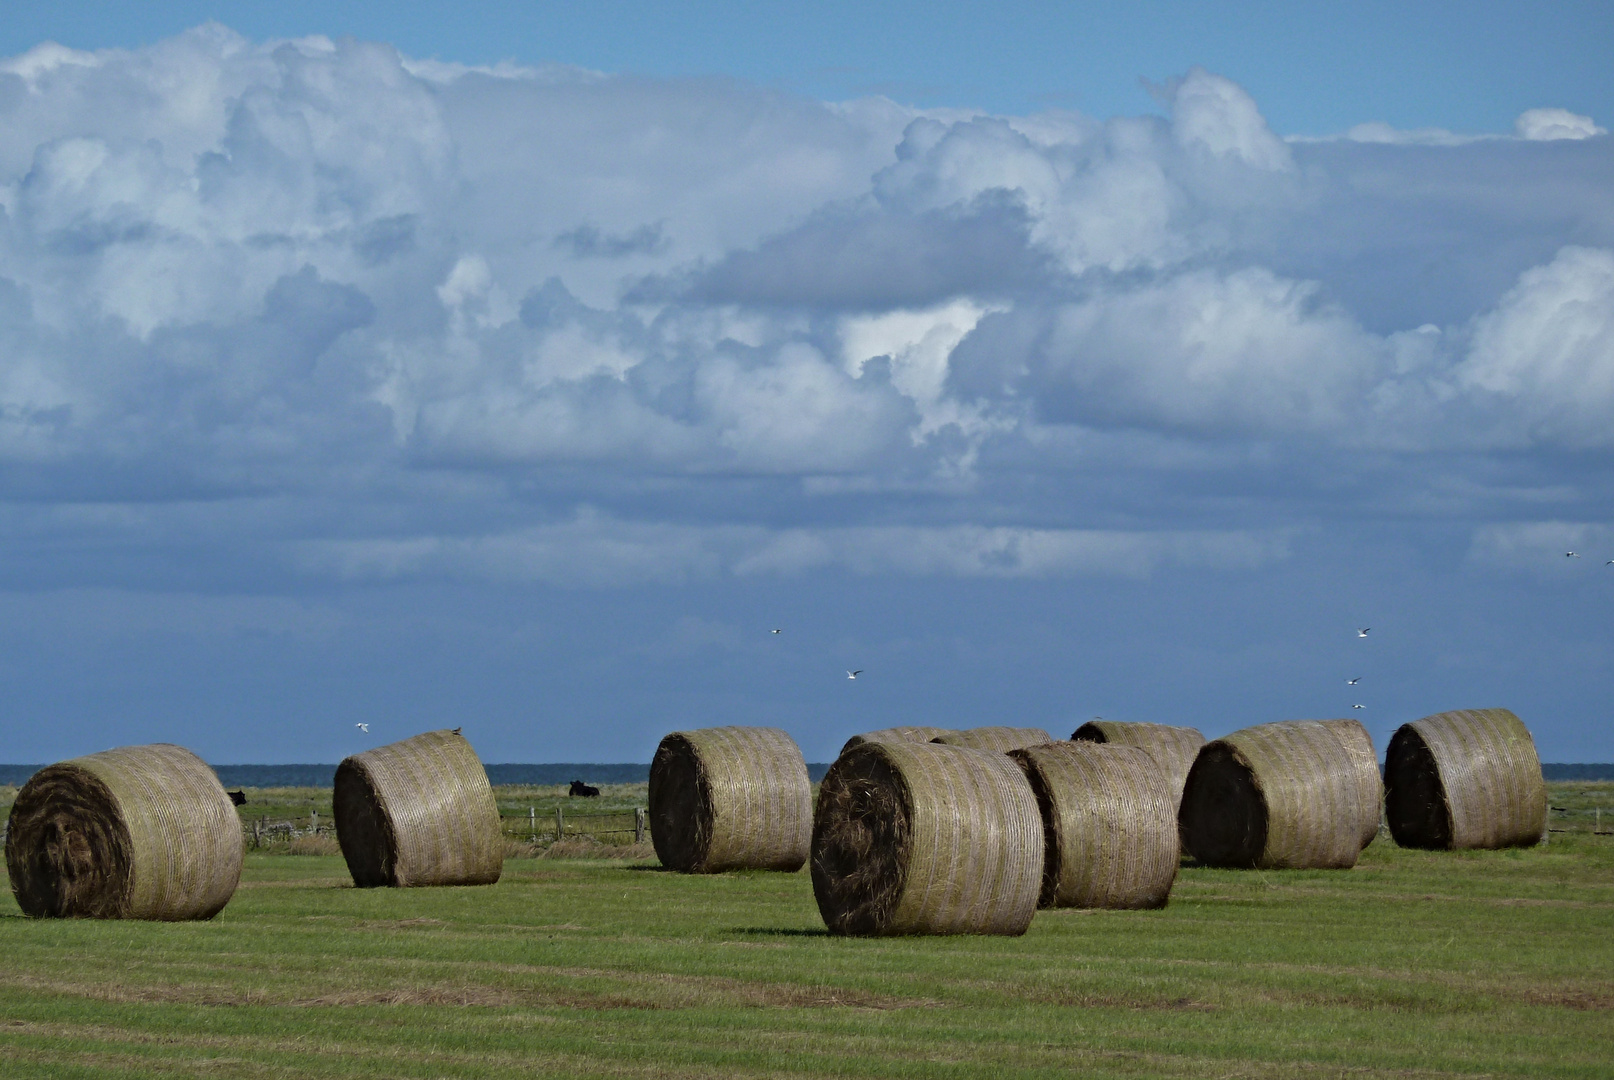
<point>607,826</point>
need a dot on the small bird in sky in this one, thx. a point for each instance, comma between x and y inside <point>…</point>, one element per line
<point>1571,554</point>
<point>1358,706</point>
<point>1361,631</point>
<point>363,727</point>
<point>456,731</point>
<point>1353,682</point>
<point>777,631</point>
<point>854,674</point>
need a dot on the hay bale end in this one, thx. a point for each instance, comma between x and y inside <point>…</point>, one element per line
<point>1465,779</point>
<point>418,812</point>
<point>730,798</point>
<point>1274,796</point>
<point>925,838</point>
<point>140,832</point>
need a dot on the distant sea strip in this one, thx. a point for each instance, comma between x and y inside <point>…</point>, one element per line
<point>238,776</point>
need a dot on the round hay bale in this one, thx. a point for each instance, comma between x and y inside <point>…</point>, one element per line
<point>418,812</point>
<point>924,838</point>
<point>902,734</point>
<point>730,798</point>
<point>1274,796</point>
<point>1359,745</point>
<point>1109,822</point>
<point>1000,739</point>
<point>140,832</point>
<point>1466,779</point>
<point>1173,747</point>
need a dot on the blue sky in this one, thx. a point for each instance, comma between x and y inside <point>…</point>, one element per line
<point>523,370</point>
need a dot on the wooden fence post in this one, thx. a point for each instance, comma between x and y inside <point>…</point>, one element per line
<point>638,824</point>
<point>560,823</point>
<point>532,822</point>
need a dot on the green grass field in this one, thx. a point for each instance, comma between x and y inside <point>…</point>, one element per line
<point>1413,964</point>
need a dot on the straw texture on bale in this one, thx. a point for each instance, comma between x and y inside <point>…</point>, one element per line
<point>924,838</point>
<point>1173,747</point>
<point>418,812</point>
<point>1109,824</point>
<point>901,734</point>
<point>140,832</point>
<point>730,798</point>
<point>1274,796</point>
<point>1359,745</point>
<point>1001,739</point>
<point>1467,779</point>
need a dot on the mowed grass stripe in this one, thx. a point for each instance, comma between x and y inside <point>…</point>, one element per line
<point>1493,963</point>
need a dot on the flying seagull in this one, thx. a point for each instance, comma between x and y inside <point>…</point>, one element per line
<point>1358,706</point>
<point>1361,631</point>
<point>363,727</point>
<point>778,631</point>
<point>854,674</point>
<point>1571,554</point>
<point>1353,682</point>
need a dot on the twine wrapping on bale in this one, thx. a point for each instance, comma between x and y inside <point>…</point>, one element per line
<point>901,734</point>
<point>1274,796</point>
<point>140,832</point>
<point>1109,823</point>
<point>1000,739</point>
<point>418,812</point>
<point>730,798</point>
<point>1359,745</point>
<point>1467,779</point>
<point>924,838</point>
<point>1173,747</point>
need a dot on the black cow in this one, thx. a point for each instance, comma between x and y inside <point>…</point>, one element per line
<point>237,797</point>
<point>585,790</point>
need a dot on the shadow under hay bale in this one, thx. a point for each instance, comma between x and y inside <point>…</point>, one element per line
<point>1000,739</point>
<point>1109,823</point>
<point>901,734</point>
<point>730,798</point>
<point>1370,788</point>
<point>925,838</point>
<point>140,832</point>
<point>1466,779</point>
<point>416,813</point>
<point>1274,796</point>
<point>1173,747</point>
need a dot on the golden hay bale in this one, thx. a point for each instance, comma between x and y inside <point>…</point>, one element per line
<point>1173,747</point>
<point>1466,779</point>
<point>1359,745</point>
<point>1001,739</point>
<point>140,832</point>
<point>1109,823</point>
<point>730,798</point>
<point>418,812</point>
<point>1274,796</point>
<point>924,838</point>
<point>904,734</point>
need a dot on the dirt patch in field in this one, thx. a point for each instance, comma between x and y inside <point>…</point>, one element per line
<point>1582,1000</point>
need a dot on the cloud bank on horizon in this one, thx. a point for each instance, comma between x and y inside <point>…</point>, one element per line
<point>317,273</point>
